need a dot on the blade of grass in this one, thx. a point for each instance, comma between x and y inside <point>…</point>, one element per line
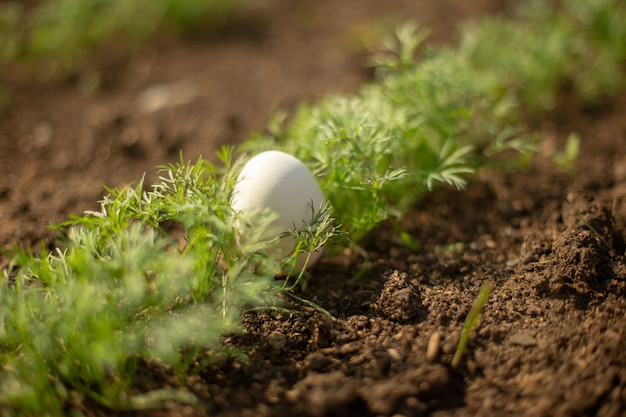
<point>471,322</point>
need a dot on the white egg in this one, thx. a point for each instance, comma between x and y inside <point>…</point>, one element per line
<point>283,184</point>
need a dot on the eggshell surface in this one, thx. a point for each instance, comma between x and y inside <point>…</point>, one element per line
<point>282,183</point>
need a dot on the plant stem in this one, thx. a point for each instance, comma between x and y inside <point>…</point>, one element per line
<point>314,305</point>
<point>472,320</point>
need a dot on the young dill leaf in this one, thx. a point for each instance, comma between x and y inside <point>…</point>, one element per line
<point>397,52</point>
<point>123,288</point>
<point>310,237</point>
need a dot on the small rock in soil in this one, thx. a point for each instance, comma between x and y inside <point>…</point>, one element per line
<point>434,345</point>
<point>318,362</point>
<point>277,340</point>
<point>523,339</point>
<point>331,394</point>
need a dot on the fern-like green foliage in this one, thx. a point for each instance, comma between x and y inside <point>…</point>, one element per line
<point>439,119</point>
<point>377,152</point>
<point>123,287</point>
<point>579,46</point>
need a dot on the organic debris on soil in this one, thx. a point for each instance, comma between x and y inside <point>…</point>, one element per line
<point>551,337</point>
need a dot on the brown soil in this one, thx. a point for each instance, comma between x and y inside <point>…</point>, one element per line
<point>550,342</point>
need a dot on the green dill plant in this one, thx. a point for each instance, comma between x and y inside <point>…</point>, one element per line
<point>471,322</point>
<point>397,53</point>
<point>151,274</point>
<point>441,118</point>
<point>379,151</point>
<point>578,45</point>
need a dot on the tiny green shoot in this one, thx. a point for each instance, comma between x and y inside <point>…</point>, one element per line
<point>566,158</point>
<point>471,322</point>
<point>311,237</point>
<point>397,53</point>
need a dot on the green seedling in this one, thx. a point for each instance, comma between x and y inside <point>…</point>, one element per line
<point>311,238</point>
<point>398,52</point>
<point>125,287</point>
<point>471,322</point>
<point>566,158</point>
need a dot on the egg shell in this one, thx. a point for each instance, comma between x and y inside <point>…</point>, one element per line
<point>282,183</point>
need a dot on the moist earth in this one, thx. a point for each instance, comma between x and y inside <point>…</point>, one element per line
<point>549,241</point>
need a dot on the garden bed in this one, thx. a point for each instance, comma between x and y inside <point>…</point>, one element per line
<point>550,242</point>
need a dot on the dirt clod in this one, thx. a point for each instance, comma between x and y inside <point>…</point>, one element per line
<point>318,362</point>
<point>399,300</point>
<point>535,247</point>
<point>332,394</point>
<point>584,211</point>
<point>580,257</point>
